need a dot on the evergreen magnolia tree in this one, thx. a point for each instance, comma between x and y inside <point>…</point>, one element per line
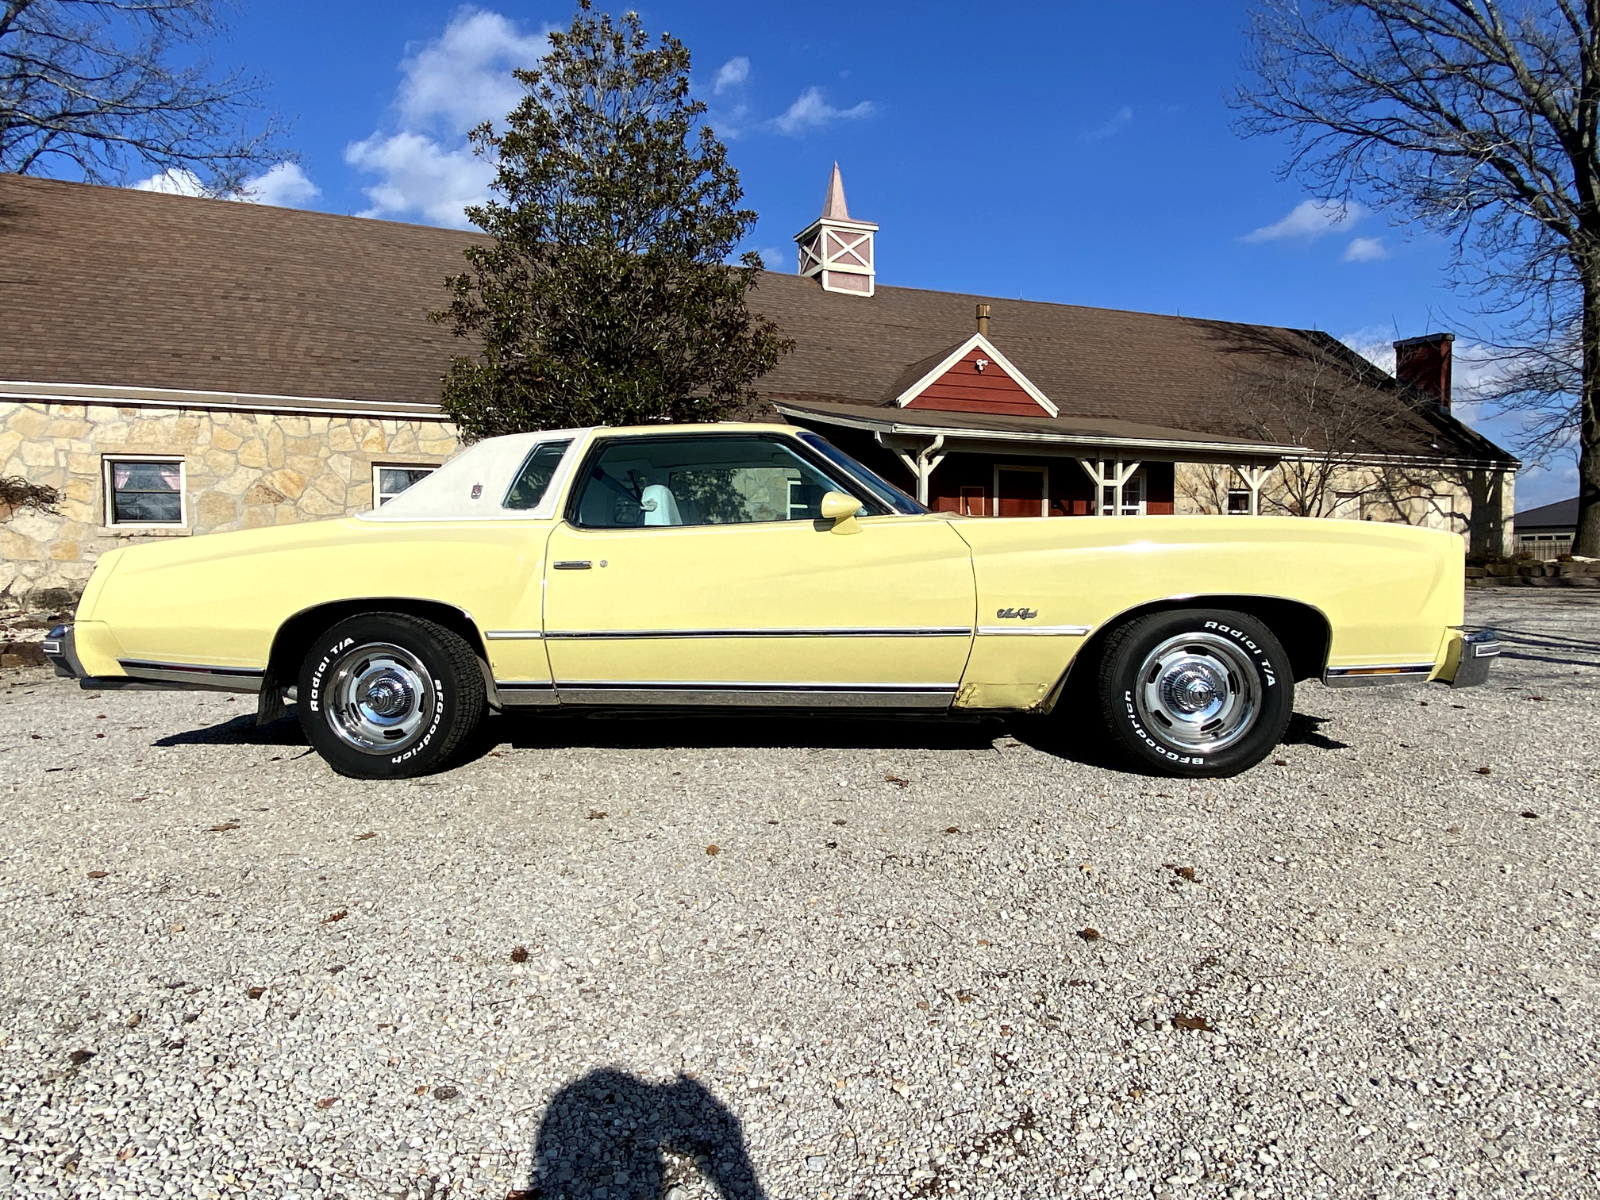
<point>605,297</point>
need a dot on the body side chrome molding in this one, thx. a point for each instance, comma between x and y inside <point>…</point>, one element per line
<point>513,635</point>
<point>193,675</point>
<point>520,693</point>
<point>719,694</point>
<point>554,635</point>
<point>1034,631</point>
<point>1364,676</point>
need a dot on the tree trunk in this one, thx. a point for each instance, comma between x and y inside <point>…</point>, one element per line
<point>1587,539</point>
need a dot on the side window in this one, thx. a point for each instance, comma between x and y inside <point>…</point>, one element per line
<point>700,481</point>
<point>533,480</point>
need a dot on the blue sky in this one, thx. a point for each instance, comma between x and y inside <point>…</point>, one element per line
<point>1074,152</point>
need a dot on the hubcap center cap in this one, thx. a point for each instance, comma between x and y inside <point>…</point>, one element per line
<point>1192,689</point>
<point>387,696</point>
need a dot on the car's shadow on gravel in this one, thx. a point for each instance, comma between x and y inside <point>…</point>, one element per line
<point>241,731</point>
<point>637,1141</point>
<point>737,731</point>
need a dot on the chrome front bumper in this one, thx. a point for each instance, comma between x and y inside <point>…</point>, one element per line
<point>1472,651</point>
<point>1471,657</point>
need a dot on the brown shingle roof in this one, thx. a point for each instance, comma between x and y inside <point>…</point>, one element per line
<point>113,286</point>
<point>136,289</point>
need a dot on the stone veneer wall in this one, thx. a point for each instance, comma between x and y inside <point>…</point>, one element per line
<point>242,470</point>
<point>1478,505</point>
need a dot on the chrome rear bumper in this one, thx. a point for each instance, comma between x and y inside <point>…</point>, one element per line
<point>60,648</point>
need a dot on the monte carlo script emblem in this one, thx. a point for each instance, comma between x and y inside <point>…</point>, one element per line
<point>1017,614</point>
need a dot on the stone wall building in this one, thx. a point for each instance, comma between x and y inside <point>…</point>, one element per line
<point>178,366</point>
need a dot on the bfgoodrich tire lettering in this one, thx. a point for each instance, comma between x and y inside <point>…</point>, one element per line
<point>388,696</point>
<point>1195,692</point>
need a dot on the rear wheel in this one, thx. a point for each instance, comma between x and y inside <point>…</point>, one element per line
<point>387,696</point>
<point>1195,692</point>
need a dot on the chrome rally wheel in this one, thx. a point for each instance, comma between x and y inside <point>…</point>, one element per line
<point>389,695</point>
<point>1200,690</point>
<point>379,698</point>
<point>1197,692</point>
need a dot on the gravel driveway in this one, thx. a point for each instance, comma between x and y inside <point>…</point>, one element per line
<point>808,959</point>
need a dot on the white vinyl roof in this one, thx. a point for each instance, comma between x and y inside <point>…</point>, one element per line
<point>472,486</point>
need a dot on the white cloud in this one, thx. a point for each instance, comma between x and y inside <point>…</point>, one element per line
<point>283,185</point>
<point>1310,219</point>
<point>811,111</point>
<point>1112,127</point>
<point>1363,249</point>
<point>421,177</point>
<point>771,256</point>
<point>448,86</point>
<point>1375,343</point>
<point>731,74</point>
<point>174,181</point>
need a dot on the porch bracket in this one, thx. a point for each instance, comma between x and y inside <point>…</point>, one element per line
<point>1119,474</point>
<point>1254,478</point>
<point>922,466</point>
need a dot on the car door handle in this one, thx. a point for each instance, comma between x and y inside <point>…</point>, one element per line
<point>572,564</point>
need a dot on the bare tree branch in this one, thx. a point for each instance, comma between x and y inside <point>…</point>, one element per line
<point>1479,119</point>
<point>93,88</point>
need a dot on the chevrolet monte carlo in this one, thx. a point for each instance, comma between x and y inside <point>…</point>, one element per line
<point>740,567</point>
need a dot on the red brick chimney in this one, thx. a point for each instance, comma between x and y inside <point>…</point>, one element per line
<point>1424,363</point>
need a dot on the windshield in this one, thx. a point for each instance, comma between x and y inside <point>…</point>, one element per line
<point>879,487</point>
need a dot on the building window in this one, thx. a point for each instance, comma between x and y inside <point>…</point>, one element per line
<point>389,482</point>
<point>1132,498</point>
<point>144,490</point>
<point>972,502</point>
<point>1238,502</point>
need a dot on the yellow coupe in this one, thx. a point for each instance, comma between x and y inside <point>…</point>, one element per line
<point>757,567</point>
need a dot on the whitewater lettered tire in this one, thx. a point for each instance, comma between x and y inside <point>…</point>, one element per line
<point>1195,692</point>
<point>388,696</point>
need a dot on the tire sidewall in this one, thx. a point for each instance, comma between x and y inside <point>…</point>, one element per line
<point>1273,676</point>
<point>329,650</point>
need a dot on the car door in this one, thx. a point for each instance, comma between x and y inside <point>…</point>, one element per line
<point>696,570</point>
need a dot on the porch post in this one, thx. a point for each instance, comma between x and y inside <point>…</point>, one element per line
<point>1254,478</point>
<point>922,466</point>
<point>1094,468</point>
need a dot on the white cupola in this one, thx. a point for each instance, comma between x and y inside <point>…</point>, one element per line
<point>837,247</point>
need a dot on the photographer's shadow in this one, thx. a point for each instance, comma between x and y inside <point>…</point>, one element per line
<point>612,1134</point>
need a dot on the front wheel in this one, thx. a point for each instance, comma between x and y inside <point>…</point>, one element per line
<point>388,696</point>
<point>1195,692</point>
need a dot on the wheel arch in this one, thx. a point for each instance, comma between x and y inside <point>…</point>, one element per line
<point>294,638</point>
<point>1303,630</point>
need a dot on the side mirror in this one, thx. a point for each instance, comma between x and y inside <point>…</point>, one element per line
<point>841,509</point>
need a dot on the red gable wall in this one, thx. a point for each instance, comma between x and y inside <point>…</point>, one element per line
<point>963,388</point>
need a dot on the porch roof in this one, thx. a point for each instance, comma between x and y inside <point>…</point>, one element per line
<point>1097,436</point>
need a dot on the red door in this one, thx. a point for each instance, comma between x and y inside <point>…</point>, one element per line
<point>1019,491</point>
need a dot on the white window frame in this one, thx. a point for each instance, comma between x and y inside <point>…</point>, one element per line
<point>108,491</point>
<point>377,495</point>
<point>967,494</point>
<point>1232,492</point>
<point>1120,506</point>
<point>1044,485</point>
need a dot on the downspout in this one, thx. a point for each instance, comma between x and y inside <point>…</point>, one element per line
<point>922,466</point>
